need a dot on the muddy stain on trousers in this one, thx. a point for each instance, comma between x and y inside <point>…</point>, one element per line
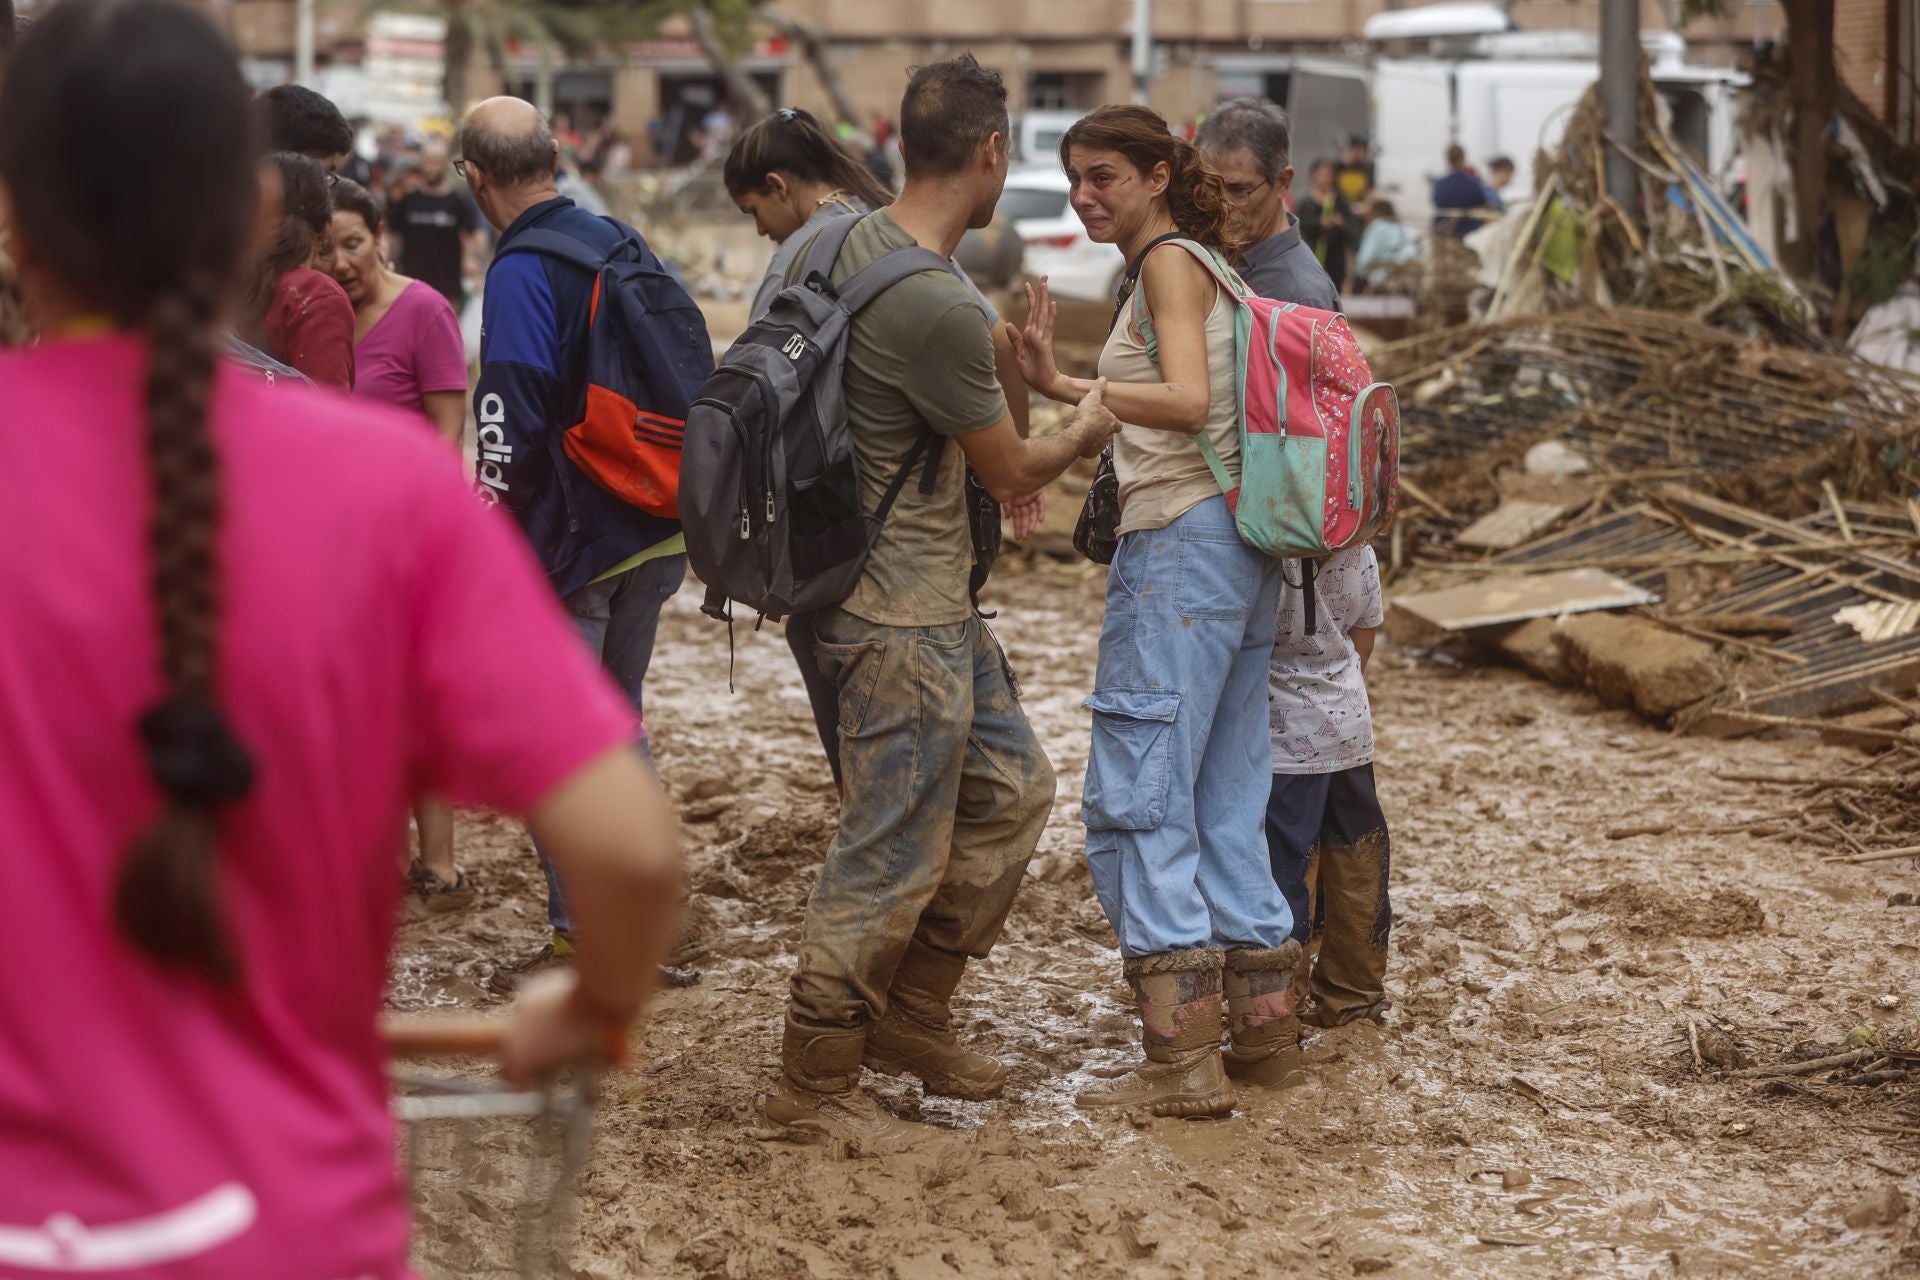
<point>947,792</point>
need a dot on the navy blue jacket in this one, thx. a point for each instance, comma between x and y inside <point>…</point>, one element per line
<point>533,386</point>
<point>1454,193</point>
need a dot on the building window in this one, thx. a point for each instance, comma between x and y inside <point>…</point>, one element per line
<point>1065,90</point>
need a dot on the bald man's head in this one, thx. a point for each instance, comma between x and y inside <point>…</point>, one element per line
<point>508,141</point>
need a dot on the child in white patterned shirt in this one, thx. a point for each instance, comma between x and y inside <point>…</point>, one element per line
<point>1324,822</point>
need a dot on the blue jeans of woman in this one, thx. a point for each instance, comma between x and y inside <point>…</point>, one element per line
<point>1177,779</point>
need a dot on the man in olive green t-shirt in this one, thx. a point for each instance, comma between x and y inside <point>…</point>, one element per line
<point>946,786</point>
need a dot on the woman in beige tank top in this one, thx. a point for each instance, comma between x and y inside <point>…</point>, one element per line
<point>1179,771</point>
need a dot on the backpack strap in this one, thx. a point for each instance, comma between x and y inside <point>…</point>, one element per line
<point>558,244</point>
<point>1131,277</point>
<point>1227,279</point>
<point>920,450</point>
<point>1225,276</point>
<point>824,249</point>
<point>874,279</point>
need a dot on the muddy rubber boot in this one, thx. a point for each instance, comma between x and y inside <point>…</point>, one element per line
<point>915,1036</point>
<point>819,1097</point>
<point>1179,997</point>
<point>1261,1013</point>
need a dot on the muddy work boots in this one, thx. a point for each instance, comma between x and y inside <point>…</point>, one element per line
<point>915,1035</point>
<point>1179,997</point>
<point>1262,1023</point>
<point>819,1095</point>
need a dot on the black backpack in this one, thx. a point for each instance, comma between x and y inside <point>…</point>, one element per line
<point>769,485</point>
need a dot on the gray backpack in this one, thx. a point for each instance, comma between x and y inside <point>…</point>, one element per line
<point>769,488</point>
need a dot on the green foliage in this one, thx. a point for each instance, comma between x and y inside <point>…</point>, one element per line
<point>1887,263</point>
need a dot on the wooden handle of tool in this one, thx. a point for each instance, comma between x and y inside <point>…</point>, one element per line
<point>436,1035</point>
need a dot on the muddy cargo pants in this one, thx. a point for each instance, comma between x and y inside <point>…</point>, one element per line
<point>947,791</point>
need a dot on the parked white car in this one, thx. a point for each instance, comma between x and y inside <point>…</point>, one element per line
<point>1039,132</point>
<point>1058,247</point>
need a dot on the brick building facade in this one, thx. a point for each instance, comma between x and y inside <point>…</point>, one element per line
<point>1876,47</point>
<point>1060,54</point>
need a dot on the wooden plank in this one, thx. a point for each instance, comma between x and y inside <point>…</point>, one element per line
<point>1516,597</point>
<point>1514,522</point>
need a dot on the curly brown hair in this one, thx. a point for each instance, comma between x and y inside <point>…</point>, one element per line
<point>1196,194</point>
<point>149,92</point>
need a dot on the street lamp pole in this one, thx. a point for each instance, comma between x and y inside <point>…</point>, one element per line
<point>1620,95</point>
<point>1142,48</point>
<point>303,42</point>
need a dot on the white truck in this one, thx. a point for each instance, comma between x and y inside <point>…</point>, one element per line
<point>1474,82</point>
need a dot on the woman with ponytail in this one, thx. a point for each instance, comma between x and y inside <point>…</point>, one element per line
<point>1179,771</point>
<point>791,177</point>
<point>243,626</point>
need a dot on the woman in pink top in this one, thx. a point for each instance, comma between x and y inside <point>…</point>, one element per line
<point>243,625</point>
<point>300,314</point>
<point>409,353</point>
<point>407,344</point>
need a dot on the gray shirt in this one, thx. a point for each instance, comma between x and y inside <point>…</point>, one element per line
<point>1283,268</point>
<point>583,193</point>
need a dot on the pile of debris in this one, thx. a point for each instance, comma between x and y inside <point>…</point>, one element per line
<point>1638,390</point>
<point>1724,621</point>
<point>1684,250</point>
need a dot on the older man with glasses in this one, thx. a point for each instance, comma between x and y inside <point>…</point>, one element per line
<point>1249,140</point>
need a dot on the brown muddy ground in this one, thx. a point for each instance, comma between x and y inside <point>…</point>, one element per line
<point>1529,1109</point>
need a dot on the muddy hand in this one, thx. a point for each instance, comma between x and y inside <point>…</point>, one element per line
<point>1027,513</point>
<point>1094,420</point>
<point>552,1031</point>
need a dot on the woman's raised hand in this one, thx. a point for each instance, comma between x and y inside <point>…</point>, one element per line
<point>1033,345</point>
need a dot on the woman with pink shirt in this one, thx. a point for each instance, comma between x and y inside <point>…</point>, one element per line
<point>243,625</point>
<point>407,343</point>
<point>408,353</point>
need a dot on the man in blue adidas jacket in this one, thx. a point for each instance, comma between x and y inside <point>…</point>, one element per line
<point>613,565</point>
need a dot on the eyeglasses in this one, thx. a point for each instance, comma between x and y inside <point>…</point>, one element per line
<point>460,167</point>
<point>1238,191</point>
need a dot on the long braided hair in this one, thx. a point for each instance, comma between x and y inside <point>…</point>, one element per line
<point>127,153</point>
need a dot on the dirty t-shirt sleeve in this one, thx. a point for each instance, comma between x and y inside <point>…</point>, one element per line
<point>507,702</point>
<point>951,381</point>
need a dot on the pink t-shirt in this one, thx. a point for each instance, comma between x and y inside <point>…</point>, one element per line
<point>413,349</point>
<point>381,633</point>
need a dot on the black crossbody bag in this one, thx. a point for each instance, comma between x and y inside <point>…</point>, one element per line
<point>1097,533</point>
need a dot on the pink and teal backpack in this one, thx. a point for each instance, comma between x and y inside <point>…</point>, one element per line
<point>1319,439</point>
